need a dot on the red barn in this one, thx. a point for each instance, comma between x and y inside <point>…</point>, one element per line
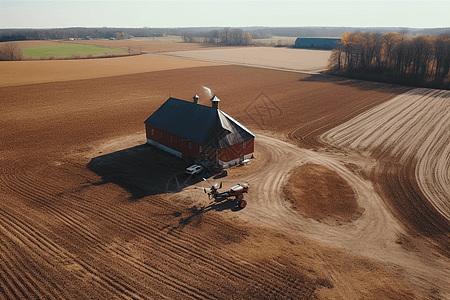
<point>188,129</point>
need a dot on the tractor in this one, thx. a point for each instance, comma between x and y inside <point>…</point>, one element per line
<point>236,191</point>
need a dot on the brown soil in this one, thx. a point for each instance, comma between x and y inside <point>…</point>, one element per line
<point>30,72</point>
<point>136,45</point>
<point>285,58</point>
<point>321,194</point>
<point>89,211</point>
<point>407,135</point>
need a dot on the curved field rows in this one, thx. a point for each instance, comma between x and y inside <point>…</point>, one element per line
<point>410,137</point>
<point>81,221</point>
<point>268,206</point>
<point>413,126</point>
<point>376,234</point>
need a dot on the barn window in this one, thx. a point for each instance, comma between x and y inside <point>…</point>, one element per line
<point>190,145</point>
<point>244,144</point>
<point>161,134</point>
<point>171,139</point>
<point>200,149</point>
<point>153,131</point>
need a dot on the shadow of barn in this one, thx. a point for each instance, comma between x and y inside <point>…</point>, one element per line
<point>143,171</point>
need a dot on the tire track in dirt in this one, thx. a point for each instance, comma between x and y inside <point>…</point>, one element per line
<point>267,205</point>
<point>375,234</point>
<point>16,234</point>
<point>226,267</point>
<point>77,267</point>
<point>14,282</point>
<point>289,156</point>
<point>222,267</point>
<point>408,137</point>
<point>43,246</point>
<point>142,227</point>
<point>311,138</point>
<point>412,128</point>
<point>37,191</point>
<point>27,274</point>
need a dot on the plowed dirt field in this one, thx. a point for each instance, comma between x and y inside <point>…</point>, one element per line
<point>28,72</point>
<point>89,211</point>
<point>146,46</point>
<point>271,57</point>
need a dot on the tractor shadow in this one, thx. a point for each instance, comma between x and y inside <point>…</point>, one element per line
<point>195,213</point>
<point>143,171</point>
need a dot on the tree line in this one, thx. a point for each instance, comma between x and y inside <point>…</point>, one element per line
<point>256,32</point>
<point>394,57</point>
<point>7,35</point>
<point>226,36</point>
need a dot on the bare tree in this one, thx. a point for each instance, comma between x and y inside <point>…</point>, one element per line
<point>247,38</point>
<point>10,51</point>
<point>372,49</point>
<point>188,36</point>
<point>353,48</point>
<point>442,57</point>
<point>225,36</point>
<point>237,36</point>
<point>213,37</point>
<point>421,50</point>
<point>336,59</point>
<point>403,56</point>
<point>389,42</point>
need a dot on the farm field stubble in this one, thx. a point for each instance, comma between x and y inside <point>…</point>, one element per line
<point>85,200</point>
<point>285,58</point>
<point>29,72</point>
<point>147,45</point>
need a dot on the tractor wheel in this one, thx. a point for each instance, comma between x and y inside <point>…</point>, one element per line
<point>240,196</point>
<point>242,203</point>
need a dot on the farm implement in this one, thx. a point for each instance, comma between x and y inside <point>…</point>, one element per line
<point>236,192</point>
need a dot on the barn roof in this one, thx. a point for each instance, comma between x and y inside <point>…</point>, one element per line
<point>208,126</point>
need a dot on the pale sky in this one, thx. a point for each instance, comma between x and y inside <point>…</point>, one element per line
<point>135,14</point>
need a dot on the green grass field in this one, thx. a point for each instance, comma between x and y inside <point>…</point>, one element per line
<point>68,50</point>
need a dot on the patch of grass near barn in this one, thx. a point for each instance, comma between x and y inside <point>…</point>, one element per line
<point>68,50</point>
